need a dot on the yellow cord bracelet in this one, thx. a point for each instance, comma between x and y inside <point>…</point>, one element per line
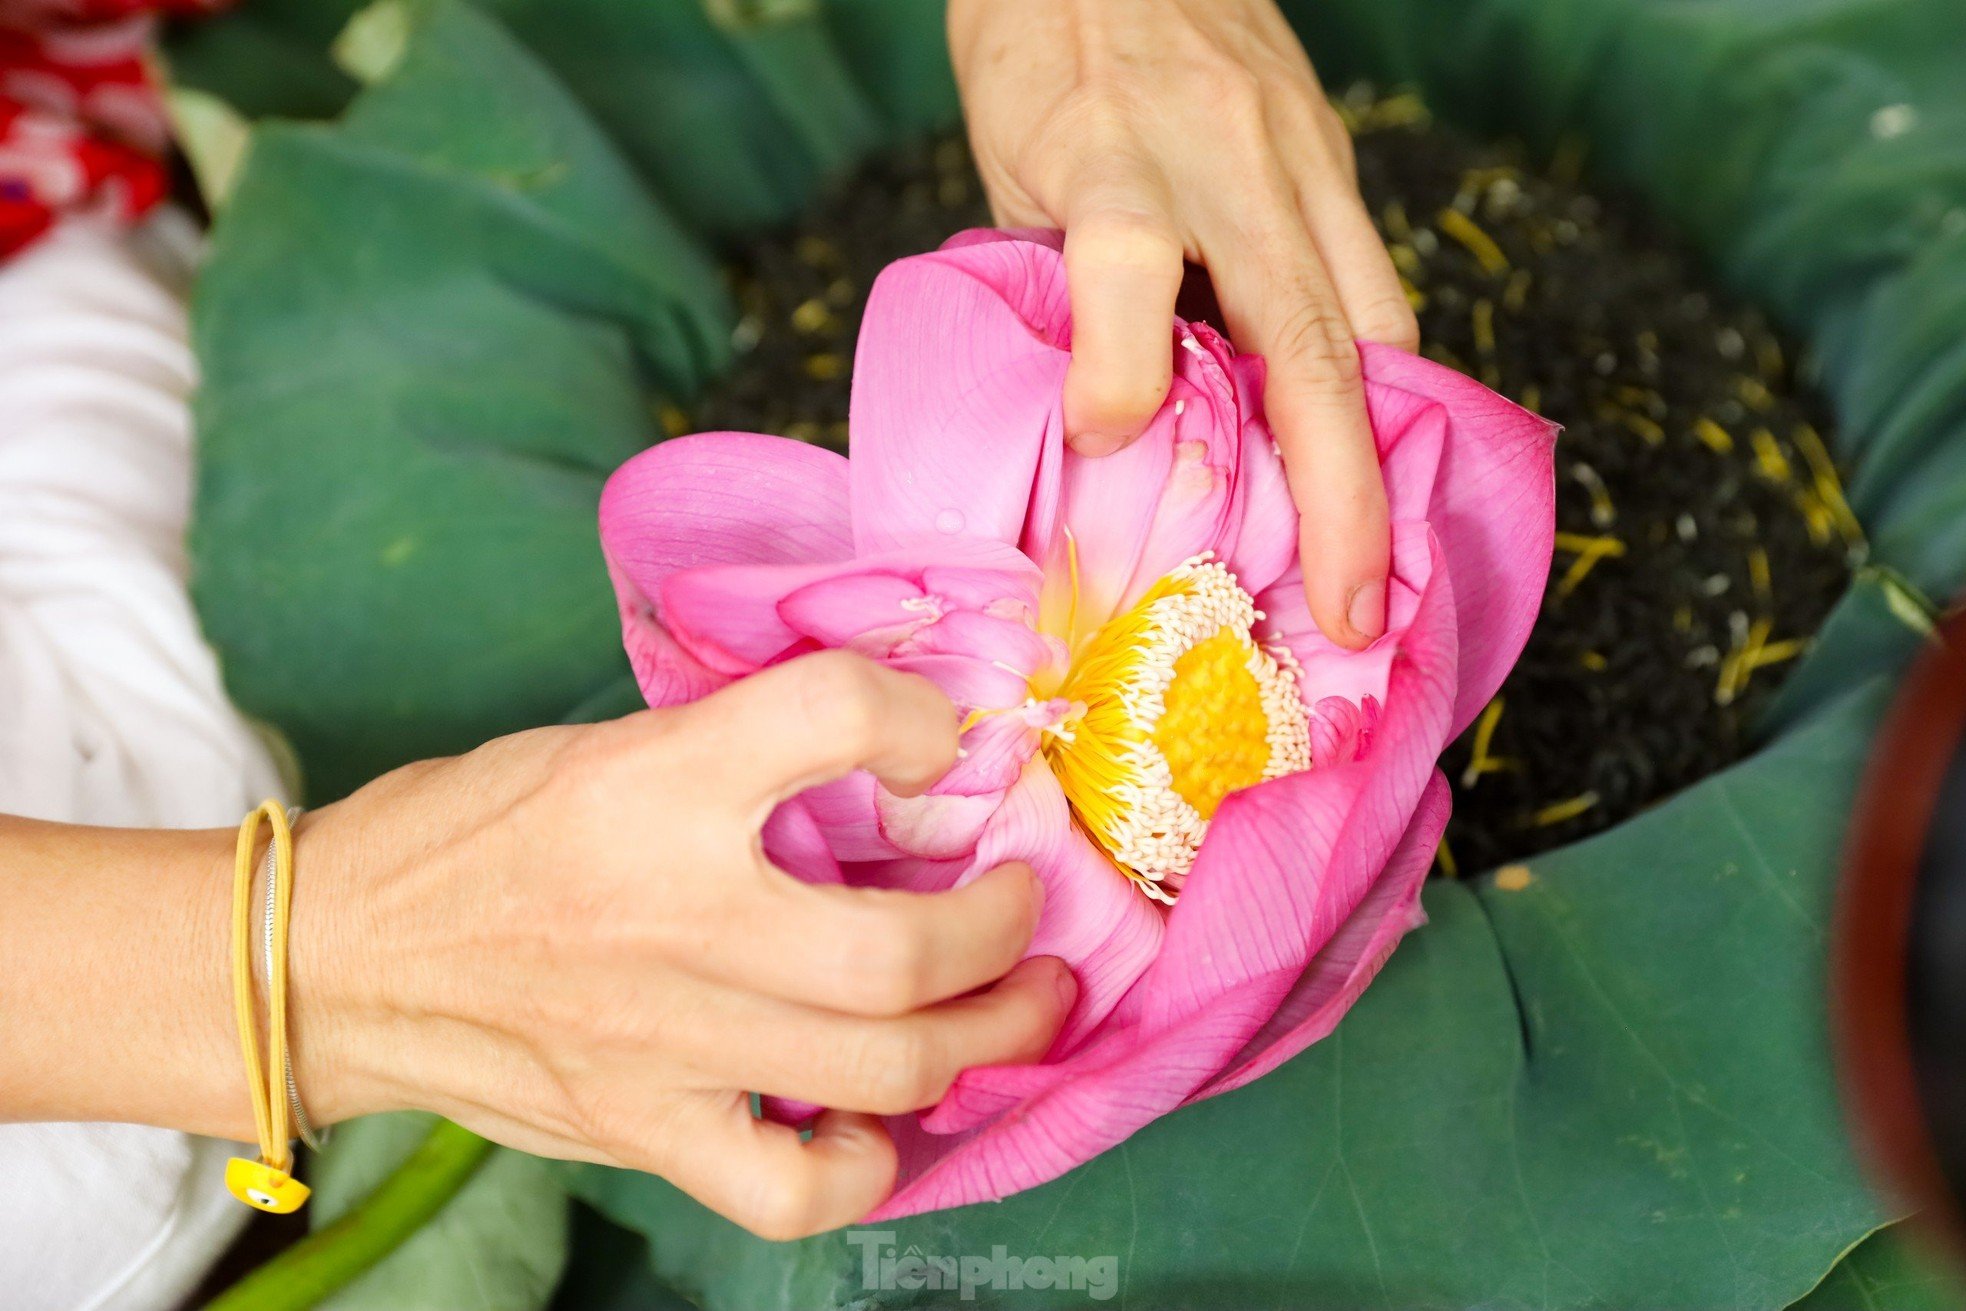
<point>268,1183</point>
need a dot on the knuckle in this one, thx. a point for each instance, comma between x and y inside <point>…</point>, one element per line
<point>1329,130</point>
<point>591,1120</point>
<point>1094,122</point>
<point>1391,322</point>
<point>840,700</point>
<point>590,1115</point>
<point>1130,241</point>
<point>888,967</point>
<point>1314,341</point>
<point>592,757</point>
<point>1343,154</point>
<point>1343,147</point>
<point>1232,87</point>
<point>905,1073</point>
<point>1101,113</point>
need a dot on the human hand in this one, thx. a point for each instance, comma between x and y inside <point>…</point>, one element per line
<point>571,941</point>
<point>1158,131</point>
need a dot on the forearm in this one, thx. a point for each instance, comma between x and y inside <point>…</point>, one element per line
<point>115,996</point>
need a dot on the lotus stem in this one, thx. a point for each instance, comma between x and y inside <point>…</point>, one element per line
<point>329,1259</point>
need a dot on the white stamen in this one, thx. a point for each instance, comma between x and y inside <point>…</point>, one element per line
<point>1159,831</point>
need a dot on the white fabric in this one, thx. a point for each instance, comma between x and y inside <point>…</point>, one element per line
<point>111,712</point>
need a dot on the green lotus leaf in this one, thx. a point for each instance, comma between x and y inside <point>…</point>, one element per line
<point>498,1245</point>
<point>270,57</point>
<point>1889,1271</point>
<point>428,333</point>
<point>733,112</point>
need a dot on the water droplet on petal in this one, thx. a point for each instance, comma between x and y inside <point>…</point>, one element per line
<point>949,522</point>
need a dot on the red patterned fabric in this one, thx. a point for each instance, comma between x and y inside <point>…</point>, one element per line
<point>82,126</point>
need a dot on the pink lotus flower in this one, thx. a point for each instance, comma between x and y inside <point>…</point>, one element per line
<point>1232,816</point>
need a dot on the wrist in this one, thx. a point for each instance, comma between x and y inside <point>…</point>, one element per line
<point>343,1012</point>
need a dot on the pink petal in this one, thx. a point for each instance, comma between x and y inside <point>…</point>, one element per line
<point>993,754</point>
<point>788,1110</point>
<point>718,498</point>
<point>1187,519</point>
<point>1338,731</point>
<point>1246,519</point>
<point>957,391</point>
<point>736,619</point>
<point>667,674</point>
<point>1093,917</point>
<point>1000,582</point>
<point>1008,644</point>
<point>1051,237</point>
<point>724,498</point>
<point>934,826</point>
<point>727,617</point>
<point>909,874</point>
<point>1316,862</point>
<point>1265,516</point>
<point>794,842</point>
<point>1339,972</point>
<point>867,612</point>
<point>971,683</point>
<point>1203,477</point>
<point>1490,499</point>
<point>1285,863</point>
<point>1046,490</point>
<point>1411,432</point>
<point>862,822</point>
<point>845,813</point>
<point>1120,1084</point>
<point>1109,505</point>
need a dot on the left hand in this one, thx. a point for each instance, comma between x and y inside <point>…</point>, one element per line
<point>1158,131</point>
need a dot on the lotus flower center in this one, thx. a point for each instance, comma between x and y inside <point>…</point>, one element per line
<point>1174,705</point>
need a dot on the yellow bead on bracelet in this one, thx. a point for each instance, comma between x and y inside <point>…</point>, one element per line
<point>268,1183</point>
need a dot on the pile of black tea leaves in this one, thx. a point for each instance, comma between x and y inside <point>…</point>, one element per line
<point>1702,532</point>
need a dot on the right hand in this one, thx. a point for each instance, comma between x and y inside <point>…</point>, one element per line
<point>1155,132</point>
<point>570,941</point>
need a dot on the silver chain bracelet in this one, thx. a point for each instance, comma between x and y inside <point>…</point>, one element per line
<point>302,1126</point>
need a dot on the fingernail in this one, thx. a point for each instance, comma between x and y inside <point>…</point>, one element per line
<point>1067,985</point>
<point>1366,611</point>
<point>1037,894</point>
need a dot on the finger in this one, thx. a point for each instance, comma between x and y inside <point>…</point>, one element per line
<point>1123,262</point>
<point>1280,302</point>
<point>819,717</point>
<point>869,951</point>
<point>762,1176</point>
<point>889,1066</point>
<point>1317,152</point>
